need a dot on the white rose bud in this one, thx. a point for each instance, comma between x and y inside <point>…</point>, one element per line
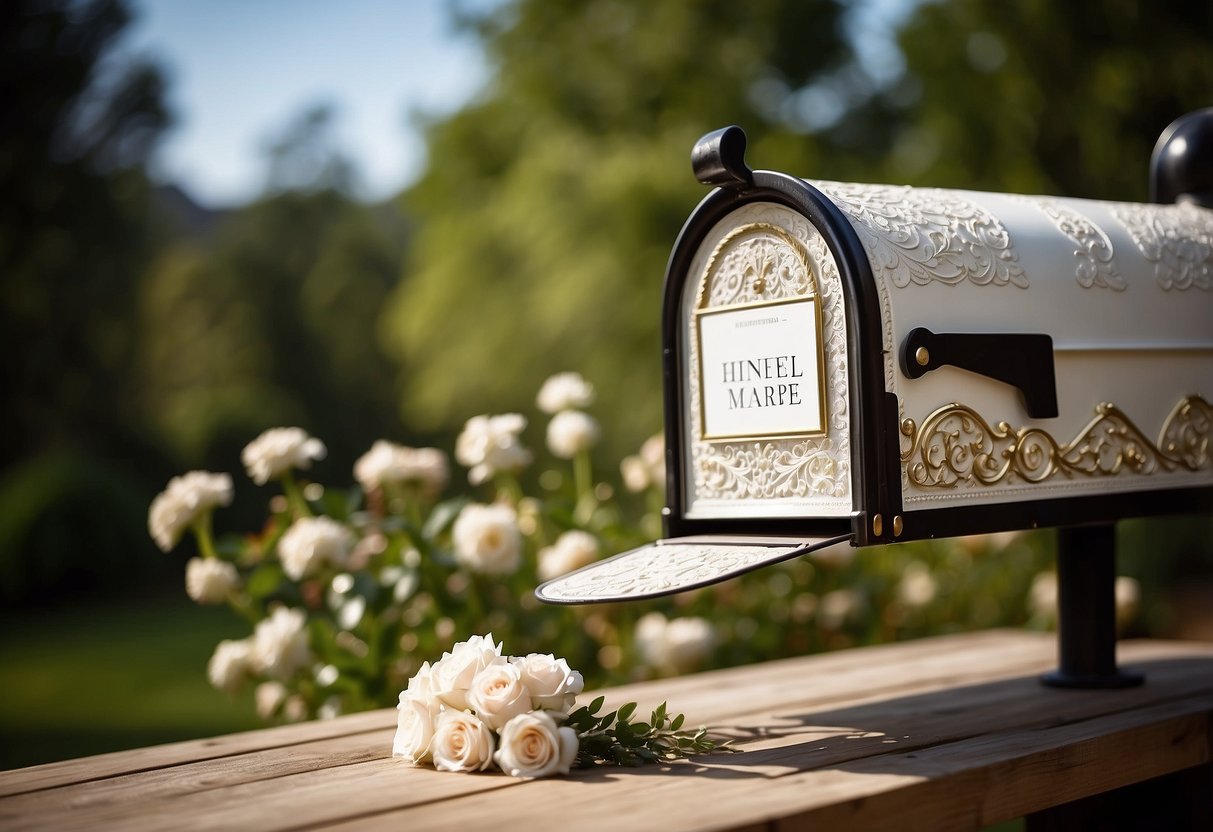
<point>570,432</point>
<point>269,697</point>
<point>551,683</point>
<point>277,451</point>
<point>451,676</point>
<point>532,745</point>
<point>565,391</point>
<point>487,539</point>
<point>387,462</point>
<point>210,580</point>
<point>572,550</point>
<point>229,665</point>
<point>497,695</point>
<point>462,742</point>
<point>312,542</point>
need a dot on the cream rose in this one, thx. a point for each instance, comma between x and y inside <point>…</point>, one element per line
<point>532,745</point>
<point>210,580</point>
<point>280,645</point>
<point>497,694</point>
<point>572,550</point>
<point>462,742</point>
<point>565,391</point>
<point>489,444</point>
<point>414,729</point>
<point>451,677</point>
<point>185,499</point>
<point>487,539</point>
<point>551,683</point>
<point>570,432</point>
<point>646,469</point>
<point>387,462</point>
<point>312,542</point>
<point>229,664</point>
<point>278,450</point>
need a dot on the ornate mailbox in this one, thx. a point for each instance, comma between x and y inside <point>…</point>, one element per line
<point>852,364</point>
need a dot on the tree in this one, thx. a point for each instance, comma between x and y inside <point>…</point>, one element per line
<point>1058,98</point>
<point>549,206</point>
<point>75,128</point>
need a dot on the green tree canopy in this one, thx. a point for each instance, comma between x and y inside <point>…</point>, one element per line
<point>549,206</point>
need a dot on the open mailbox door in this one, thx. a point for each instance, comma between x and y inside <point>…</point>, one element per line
<point>854,364</point>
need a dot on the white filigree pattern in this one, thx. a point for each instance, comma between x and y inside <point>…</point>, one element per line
<point>1177,239</point>
<point>775,252</point>
<point>1095,267</point>
<point>668,567</point>
<point>920,236</point>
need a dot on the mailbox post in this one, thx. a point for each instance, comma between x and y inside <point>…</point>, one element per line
<point>851,364</point>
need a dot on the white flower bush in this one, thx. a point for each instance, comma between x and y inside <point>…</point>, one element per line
<point>350,593</point>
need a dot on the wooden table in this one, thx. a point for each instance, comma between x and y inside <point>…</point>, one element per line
<point>943,733</point>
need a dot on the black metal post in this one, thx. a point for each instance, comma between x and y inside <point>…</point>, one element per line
<point>1086,611</point>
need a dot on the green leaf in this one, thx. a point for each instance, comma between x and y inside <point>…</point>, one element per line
<point>443,517</point>
<point>596,705</point>
<point>625,713</point>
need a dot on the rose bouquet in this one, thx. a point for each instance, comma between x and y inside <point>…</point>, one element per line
<point>475,709</point>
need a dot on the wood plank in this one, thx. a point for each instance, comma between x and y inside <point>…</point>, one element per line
<point>798,715</point>
<point>962,785</point>
<point>700,696</point>
<point>85,769</point>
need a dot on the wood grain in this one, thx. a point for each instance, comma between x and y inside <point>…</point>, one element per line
<point>944,733</point>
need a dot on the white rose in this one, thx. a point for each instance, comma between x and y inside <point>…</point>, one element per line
<point>312,542</point>
<point>489,444</point>
<point>497,694</point>
<point>551,683</point>
<point>462,742</point>
<point>451,676</point>
<point>387,462</point>
<point>269,697</point>
<point>183,501</point>
<point>210,580</point>
<point>280,644</point>
<point>646,469</point>
<point>487,539</point>
<point>278,450</point>
<point>570,432</point>
<point>414,729</point>
<point>533,746</point>
<point>836,607</point>
<point>229,664</point>
<point>676,646</point>
<point>917,587</point>
<point>565,391</point>
<point>572,550</point>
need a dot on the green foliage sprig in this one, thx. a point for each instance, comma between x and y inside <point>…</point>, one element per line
<point>614,738</point>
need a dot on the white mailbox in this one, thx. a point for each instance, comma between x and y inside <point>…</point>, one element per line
<point>851,364</point>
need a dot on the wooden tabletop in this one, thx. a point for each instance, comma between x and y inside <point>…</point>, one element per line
<point>943,733</point>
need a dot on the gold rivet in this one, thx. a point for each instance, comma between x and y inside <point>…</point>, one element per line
<point>877,525</point>
<point>922,356</point>
<point>897,525</point>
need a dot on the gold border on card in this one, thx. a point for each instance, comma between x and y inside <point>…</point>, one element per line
<point>955,446</point>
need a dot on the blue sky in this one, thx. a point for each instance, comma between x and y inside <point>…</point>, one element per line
<point>239,70</point>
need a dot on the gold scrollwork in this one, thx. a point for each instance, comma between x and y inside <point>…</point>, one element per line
<point>955,446</point>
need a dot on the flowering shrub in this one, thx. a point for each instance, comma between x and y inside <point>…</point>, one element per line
<point>349,592</point>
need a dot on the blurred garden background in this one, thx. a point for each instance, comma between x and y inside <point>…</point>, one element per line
<point>147,332</point>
